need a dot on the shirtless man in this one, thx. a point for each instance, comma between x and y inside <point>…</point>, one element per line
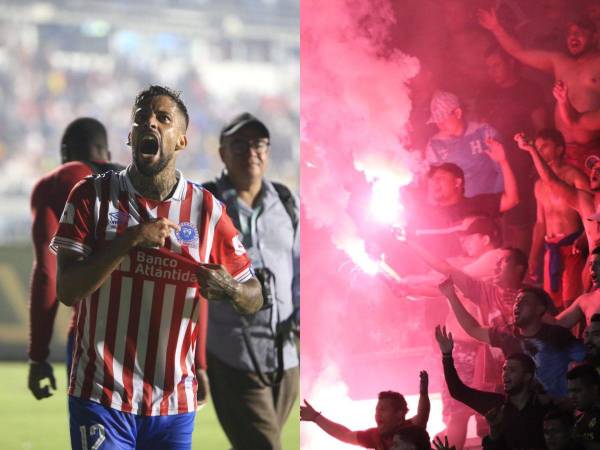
<point>557,224</point>
<point>585,202</point>
<point>579,70</point>
<point>588,304</point>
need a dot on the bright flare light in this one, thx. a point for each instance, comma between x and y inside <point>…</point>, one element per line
<point>355,249</point>
<point>387,176</point>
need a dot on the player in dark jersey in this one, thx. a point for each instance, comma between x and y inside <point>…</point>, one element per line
<point>84,151</point>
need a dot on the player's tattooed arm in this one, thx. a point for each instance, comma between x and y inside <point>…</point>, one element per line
<point>216,284</point>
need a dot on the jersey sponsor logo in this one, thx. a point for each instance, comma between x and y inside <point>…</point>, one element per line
<point>118,218</point>
<point>238,247</point>
<point>187,234</point>
<point>68,215</point>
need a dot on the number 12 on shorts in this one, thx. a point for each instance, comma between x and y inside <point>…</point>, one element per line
<point>97,431</point>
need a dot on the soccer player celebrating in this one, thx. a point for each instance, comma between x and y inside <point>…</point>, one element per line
<point>136,251</point>
<point>84,151</point>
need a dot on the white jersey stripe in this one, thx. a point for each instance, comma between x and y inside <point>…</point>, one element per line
<point>210,232</point>
<point>123,321</point>
<point>163,341</point>
<point>100,333</point>
<point>187,313</point>
<point>174,208</point>
<point>142,343</point>
<point>98,190</point>
<point>194,213</point>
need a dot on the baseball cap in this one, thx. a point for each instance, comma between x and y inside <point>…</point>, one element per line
<point>240,121</point>
<point>483,225</point>
<point>442,105</point>
<point>591,161</point>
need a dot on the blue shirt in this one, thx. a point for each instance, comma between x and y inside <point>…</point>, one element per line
<point>272,242</point>
<point>482,174</point>
<point>552,348</point>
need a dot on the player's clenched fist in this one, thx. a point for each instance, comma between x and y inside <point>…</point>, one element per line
<point>154,232</point>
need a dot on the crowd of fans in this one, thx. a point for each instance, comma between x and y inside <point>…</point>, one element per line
<point>506,114</point>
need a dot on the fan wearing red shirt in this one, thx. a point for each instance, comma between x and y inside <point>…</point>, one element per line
<point>137,251</point>
<point>84,151</point>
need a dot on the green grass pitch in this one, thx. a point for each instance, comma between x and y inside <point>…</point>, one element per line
<point>29,424</point>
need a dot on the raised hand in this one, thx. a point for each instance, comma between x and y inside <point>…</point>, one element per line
<point>488,19</point>
<point>560,91</point>
<point>423,382</point>
<point>308,413</point>
<point>444,340</point>
<point>522,142</point>
<point>496,150</point>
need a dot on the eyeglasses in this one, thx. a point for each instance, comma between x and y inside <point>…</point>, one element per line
<point>240,146</point>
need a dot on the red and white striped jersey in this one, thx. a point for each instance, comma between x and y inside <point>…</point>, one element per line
<point>136,335</point>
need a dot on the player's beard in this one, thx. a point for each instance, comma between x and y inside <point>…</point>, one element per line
<point>154,169</point>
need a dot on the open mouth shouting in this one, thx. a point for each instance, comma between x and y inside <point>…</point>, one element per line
<point>149,147</point>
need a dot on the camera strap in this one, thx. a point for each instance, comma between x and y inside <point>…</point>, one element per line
<point>279,341</point>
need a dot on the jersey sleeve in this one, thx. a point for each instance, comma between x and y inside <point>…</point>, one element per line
<point>228,250</point>
<point>75,230</point>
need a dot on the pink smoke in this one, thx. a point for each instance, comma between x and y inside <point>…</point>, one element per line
<point>355,107</point>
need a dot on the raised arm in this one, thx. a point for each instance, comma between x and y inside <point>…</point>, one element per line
<point>542,60</point>
<point>465,319</point>
<point>424,406</point>
<point>438,264</point>
<point>480,401</point>
<point>510,196</point>
<point>547,175</point>
<point>338,431</point>
<point>572,315</point>
<point>78,276</point>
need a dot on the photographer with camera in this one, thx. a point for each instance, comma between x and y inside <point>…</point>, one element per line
<point>253,360</point>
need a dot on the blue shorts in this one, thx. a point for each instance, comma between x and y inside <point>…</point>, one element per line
<point>95,427</point>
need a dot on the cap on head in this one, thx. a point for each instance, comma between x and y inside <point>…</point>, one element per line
<point>442,105</point>
<point>240,121</point>
<point>484,225</point>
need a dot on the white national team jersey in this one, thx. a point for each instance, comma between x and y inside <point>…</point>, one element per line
<point>137,334</point>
